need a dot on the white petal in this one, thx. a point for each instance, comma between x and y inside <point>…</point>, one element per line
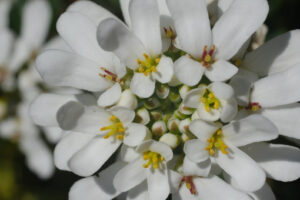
<point>21,53</point>
<point>206,189</point>
<point>158,147</point>
<point>236,26</point>
<point>128,154</point>
<point>251,178</point>
<point>60,68</point>
<point>74,116</point>
<point>53,134</point>
<point>95,12</point>
<point>135,134</point>
<point>193,98</point>
<point>36,22</point>
<point>241,89</point>
<point>254,128</point>
<point>195,150</point>
<point>212,115</point>
<point>6,44</point>
<point>188,71</point>
<point>44,108</point>
<point>191,168</point>
<point>158,183</point>
<point>165,70</point>
<point>192,25</point>
<point>229,110</point>
<point>130,176</point>
<point>221,70</point>
<point>125,115</point>
<point>125,11</point>
<point>203,130</point>
<point>281,162</point>
<point>265,193</point>
<point>110,96</point>
<point>141,85</point>
<point>175,180</point>
<point>114,36</point>
<point>286,84</point>
<point>276,55</point>
<point>68,146</point>
<point>93,155</point>
<point>221,90</point>
<point>80,34</point>
<point>4,13</point>
<point>285,118</point>
<point>92,188</point>
<point>145,24</point>
<point>140,192</point>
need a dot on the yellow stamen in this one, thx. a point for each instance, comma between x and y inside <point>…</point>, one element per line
<point>116,128</point>
<point>153,159</point>
<point>210,101</point>
<point>216,143</point>
<point>148,65</point>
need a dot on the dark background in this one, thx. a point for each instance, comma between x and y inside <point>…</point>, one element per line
<point>18,183</point>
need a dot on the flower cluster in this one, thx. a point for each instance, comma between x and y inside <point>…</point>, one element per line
<point>150,123</point>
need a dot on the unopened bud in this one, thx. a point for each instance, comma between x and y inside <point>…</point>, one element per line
<point>170,139</point>
<point>142,116</point>
<point>151,103</point>
<point>184,90</point>
<point>173,125</point>
<point>185,110</point>
<point>179,115</point>
<point>3,108</point>
<point>159,128</point>
<point>156,115</point>
<point>174,97</point>
<point>184,125</point>
<point>128,100</point>
<point>195,116</point>
<point>162,91</point>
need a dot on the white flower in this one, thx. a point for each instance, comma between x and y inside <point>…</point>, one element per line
<point>213,102</point>
<point>150,165</point>
<point>141,48</point>
<point>209,50</point>
<point>275,97</point>
<point>221,144</point>
<point>108,130</point>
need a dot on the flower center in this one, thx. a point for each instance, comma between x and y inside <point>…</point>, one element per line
<point>153,159</point>
<point>253,106</point>
<point>116,129</point>
<point>189,184</point>
<point>109,75</point>
<point>216,142</point>
<point>209,100</point>
<point>207,57</point>
<point>148,65</point>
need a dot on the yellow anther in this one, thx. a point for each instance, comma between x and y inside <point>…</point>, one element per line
<point>157,60</point>
<point>216,142</point>
<point>207,58</point>
<point>188,185</point>
<point>116,128</point>
<point>153,159</point>
<point>238,62</point>
<point>255,108</point>
<point>148,65</point>
<point>209,100</point>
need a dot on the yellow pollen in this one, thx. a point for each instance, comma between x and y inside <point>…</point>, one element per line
<point>255,108</point>
<point>116,129</point>
<point>216,142</point>
<point>210,101</point>
<point>152,159</point>
<point>238,62</point>
<point>207,56</point>
<point>148,65</point>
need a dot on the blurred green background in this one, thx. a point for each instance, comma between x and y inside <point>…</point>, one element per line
<point>18,183</point>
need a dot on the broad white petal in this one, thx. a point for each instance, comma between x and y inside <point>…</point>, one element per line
<point>36,19</point>
<point>60,68</point>
<point>141,85</point>
<point>140,192</point>
<point>158,183</point>
<point>285,118</point>
<point>203,130</point>
<point>251,178</point>
<point>20,55</point>
<point>236,26</point>
<point>93,155</point>
<point>110,96</point>
<point>165,70</point>
<point>158,147</point>
<point>206,189</point>
<point>212,115</point>
<point>135,134</point>
<point>95,188</point>
<point>265,193</point>
<point>195,150</point>
<point>114,36</point>
<point>254,128</point>
<point>53,134</point>
<point>193,98</point>
<point>71,143</point>
<point>191,168</point>
<point>80,34</point>
<point>286,84</point>
<point>125,115</point>
<point>221,70</point>
<point>192,25</point>
<point>276,55</point>
<point>145,24</point>
<point>130,176</point>
<point>188,71</point>
<point>229,110</point>
<point>281,162</point>
<point>242,88</point>
<point>6,44</point>
<point>128,154</point>
<point>221,90</point>
<point>4,13</point>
